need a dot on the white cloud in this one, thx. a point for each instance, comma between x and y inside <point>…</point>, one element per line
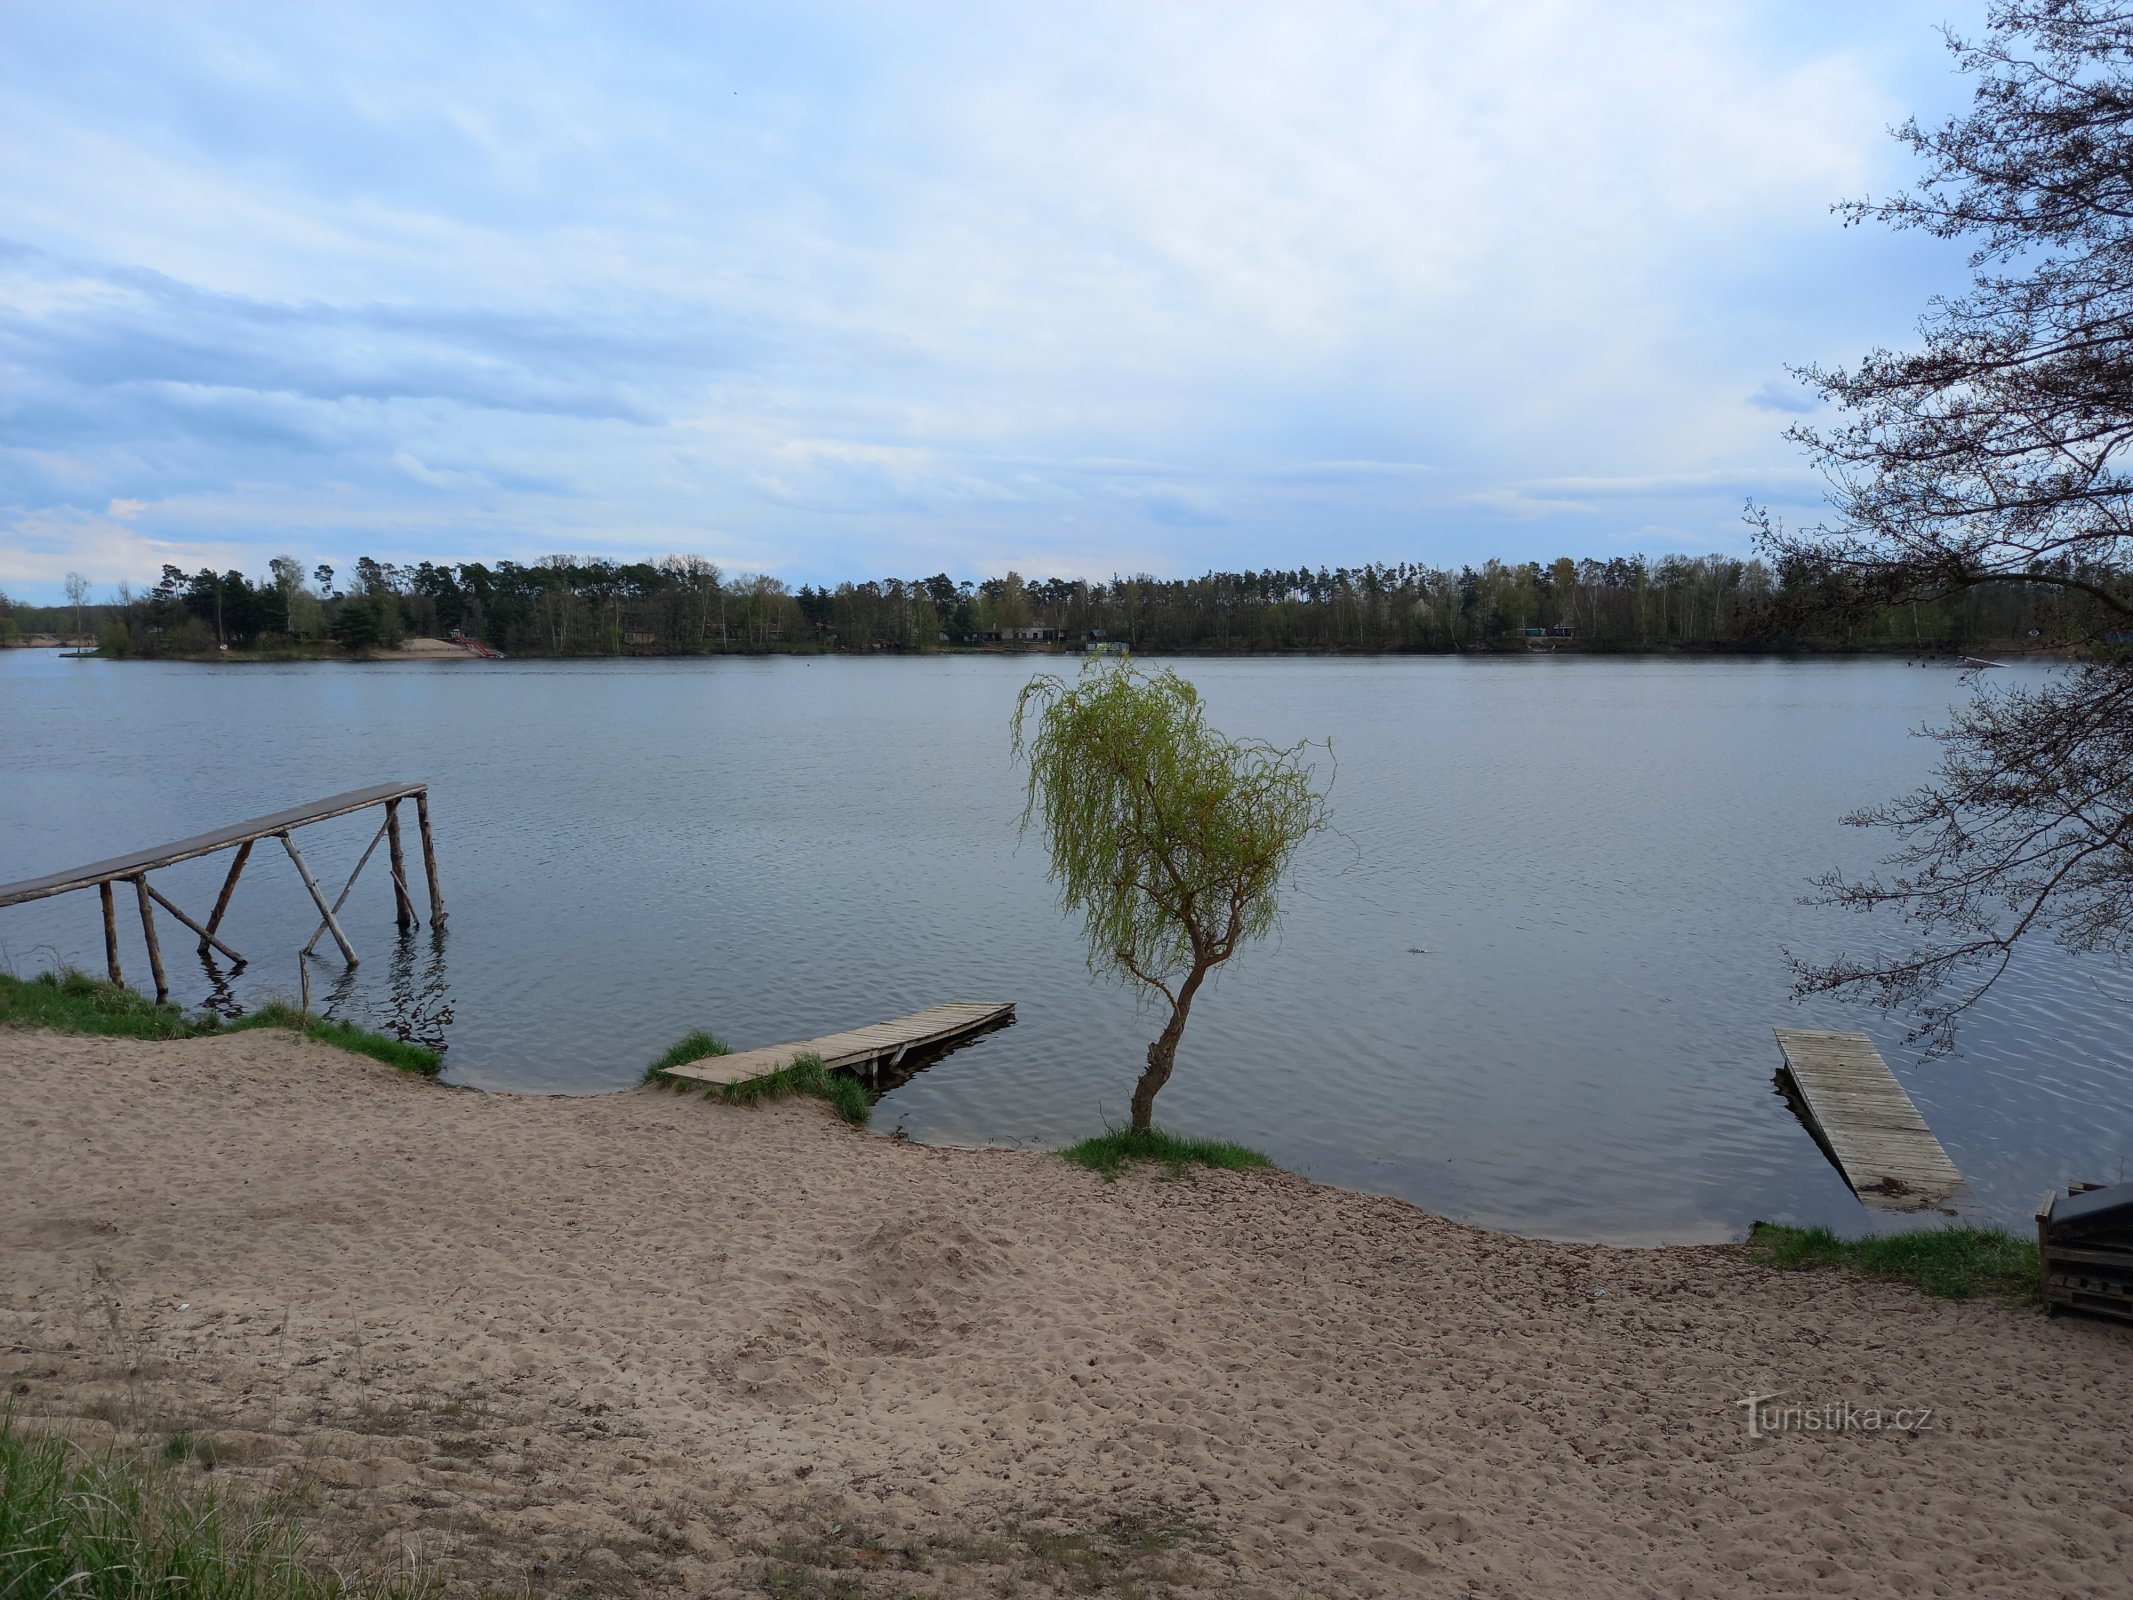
<point>855,290</point>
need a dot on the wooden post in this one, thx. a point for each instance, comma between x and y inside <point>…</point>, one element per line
<point>148,932</point>
<point>111,933</point>
<point>341,899</point>
<point>206,938</point>
<point>403,902</point>
<point>429,855</point>
<point>318,897</point>
<point>222,901</point>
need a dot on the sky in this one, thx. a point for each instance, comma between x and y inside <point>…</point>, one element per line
<point>845,291</point>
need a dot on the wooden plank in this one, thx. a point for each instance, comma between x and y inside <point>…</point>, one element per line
<point>1873,1130</point>
<point>139,861</point>
<point>920,1030</point>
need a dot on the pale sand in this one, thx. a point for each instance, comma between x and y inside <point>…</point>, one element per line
<point>639,1344</point>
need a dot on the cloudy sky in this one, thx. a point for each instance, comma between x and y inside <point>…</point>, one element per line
<point>887,289</point>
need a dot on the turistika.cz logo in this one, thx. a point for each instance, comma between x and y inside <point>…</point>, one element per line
<point>1834,1416</point>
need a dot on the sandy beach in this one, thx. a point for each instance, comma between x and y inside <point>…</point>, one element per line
<point>641,1344</point>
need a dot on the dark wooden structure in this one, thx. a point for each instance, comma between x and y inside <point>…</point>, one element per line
<point>2085,1242</point>
<point>135,867</point>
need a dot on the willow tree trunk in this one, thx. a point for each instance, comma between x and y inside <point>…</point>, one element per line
<point>1163,1053</point>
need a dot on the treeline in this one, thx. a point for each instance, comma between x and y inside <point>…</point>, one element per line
<point>683,605</point>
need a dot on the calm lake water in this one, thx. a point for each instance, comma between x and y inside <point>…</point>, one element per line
<point>1529,984</point>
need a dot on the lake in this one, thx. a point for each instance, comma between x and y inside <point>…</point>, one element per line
<point>1529,983</point>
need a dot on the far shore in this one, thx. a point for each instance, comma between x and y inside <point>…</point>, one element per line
<point>430,649</point>
<point>638,1344</point>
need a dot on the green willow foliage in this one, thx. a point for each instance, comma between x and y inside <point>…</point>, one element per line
<point>1166,838</point>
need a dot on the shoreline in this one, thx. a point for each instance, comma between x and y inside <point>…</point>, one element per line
<point>1938,655</point>
<point>650,1345</point>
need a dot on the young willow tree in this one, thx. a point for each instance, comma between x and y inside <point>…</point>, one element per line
<point>1995,454</point>
<point>1169,839</point>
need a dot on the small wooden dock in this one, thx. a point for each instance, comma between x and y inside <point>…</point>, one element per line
<point>1861,1116</point>
<point>133,868</point>
<point>878,1048</point>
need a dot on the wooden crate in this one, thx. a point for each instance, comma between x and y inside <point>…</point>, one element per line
<point>2092,1273</point>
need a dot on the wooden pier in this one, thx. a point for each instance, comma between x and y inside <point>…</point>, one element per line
<point>1861,1116</point>
<point>135,867</point>
<point>871,1050</point>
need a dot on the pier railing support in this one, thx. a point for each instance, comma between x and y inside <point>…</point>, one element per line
<point>222,900</point>
<point>111,935</point>
<point>341,899</point>
<point>429,855</point>
<point>403,902</point>
<point>206,938</point>
<point>148,932</point>
<point>318,897</point>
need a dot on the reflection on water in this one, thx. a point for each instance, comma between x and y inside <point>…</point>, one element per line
<point>1529,983</point>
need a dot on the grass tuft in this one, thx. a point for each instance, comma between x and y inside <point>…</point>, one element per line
<point>1954,1263</point>
<point>693,1046</point>
<point>106,1527</point>
<point>1113,1150</point>
<point>806,1076</point>
<point>70,1001</point>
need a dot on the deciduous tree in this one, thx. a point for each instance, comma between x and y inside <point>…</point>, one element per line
<point>1993,456</point>
<point>1167,839</point>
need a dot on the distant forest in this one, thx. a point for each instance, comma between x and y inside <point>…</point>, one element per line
<point>685,605</point>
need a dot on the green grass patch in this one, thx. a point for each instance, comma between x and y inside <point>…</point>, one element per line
<point>1115,1149</point>
<point>1954,1263</point>
<point>806,1076</point>
<point>73,1002</point>
<point>692,1046</point>
<point>111,1527</point>
<point>70,1001</point>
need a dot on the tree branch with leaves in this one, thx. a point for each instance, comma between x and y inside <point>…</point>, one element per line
<point>1995,454</point>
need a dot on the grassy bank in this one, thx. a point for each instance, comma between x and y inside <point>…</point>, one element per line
<point>74,1002</point>
<point>1112,1151</point>
<point>107,1526</point>
<point>692,1046</point>
<point>1954,1263</point>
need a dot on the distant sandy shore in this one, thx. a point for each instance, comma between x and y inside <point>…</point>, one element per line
<point>423,649</point>
<point>640,1344</point>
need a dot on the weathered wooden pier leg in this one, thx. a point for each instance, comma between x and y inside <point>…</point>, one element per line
<point>222,900</point>
<point>148,932</point>
<point>318,898</point>
<point>429,855</point>
<point>403,902</point>
<point>111,933</point>
<point>206,938</point>
<point>341,899</point>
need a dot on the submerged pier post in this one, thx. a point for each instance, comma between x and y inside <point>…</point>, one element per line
<point>429,855</point>
<point>403,902</point>
<point>148,932</point>
<point>111,934</point>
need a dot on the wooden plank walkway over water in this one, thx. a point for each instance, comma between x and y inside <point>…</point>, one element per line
<point>884,1044</point>
<point>135,866</point>
<point>1870,1127</point>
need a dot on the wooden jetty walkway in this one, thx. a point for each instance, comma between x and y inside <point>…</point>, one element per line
<point>241,836</point>
<point>880,1047</point>
<point>1863,1118</point>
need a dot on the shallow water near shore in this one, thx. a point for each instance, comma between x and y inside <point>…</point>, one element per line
<point>1528,983</point>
